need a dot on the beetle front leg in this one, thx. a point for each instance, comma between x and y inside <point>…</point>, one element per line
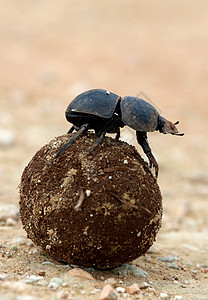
<point>81,130</point>
<point>142,140</point>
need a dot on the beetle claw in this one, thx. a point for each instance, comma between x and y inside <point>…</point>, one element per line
<point>153,163</point>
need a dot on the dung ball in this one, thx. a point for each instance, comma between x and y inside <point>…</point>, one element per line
<point>98,208</point>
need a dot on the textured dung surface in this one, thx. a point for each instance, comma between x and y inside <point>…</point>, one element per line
<point>96,209</point>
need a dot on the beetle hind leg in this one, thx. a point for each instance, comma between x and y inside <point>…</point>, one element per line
<point>99,140</point>
<point>142,140</point>
<point>118,134</point>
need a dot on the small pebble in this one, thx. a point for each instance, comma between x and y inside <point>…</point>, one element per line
<point>32,279</point>
<point>168,258</point>
<point>48,263</point>
<point>133,289</point>
<point>133,270</point>
<point>176,277</point>
<point>55,283</point>
<point>63,266</point>
<point>42,273</point>
<point>173,266</point>
<point>78,272</point>
<point>11,222</point>
<point>108,293</point>
<point>42,282</point>
<point>95,291</point>
<point>88,192</point>
<point>3,276</point>
<point>120,289</point>
<point>164,296</point>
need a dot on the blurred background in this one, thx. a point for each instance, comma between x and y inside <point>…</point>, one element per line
<point>50,51</point>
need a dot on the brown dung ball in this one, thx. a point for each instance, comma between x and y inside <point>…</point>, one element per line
<point>97,208</point>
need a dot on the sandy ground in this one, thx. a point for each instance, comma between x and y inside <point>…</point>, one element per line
<point>50,52</point>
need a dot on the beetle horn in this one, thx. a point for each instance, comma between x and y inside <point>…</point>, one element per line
<point>176,123</point>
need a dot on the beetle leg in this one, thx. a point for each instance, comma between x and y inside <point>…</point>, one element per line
<point>101,137</point>
<point>99,140</point>
<point>71,129</point>
<point>103,132</point>
<point>142,140</point>
<point>118,134</point>
<point>82,129</point>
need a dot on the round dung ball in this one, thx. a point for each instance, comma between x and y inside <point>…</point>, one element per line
<point>93,206</point>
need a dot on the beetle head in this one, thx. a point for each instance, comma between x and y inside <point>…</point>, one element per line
<point>166,127</point>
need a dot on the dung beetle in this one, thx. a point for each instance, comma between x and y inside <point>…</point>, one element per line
<point>106,112</point>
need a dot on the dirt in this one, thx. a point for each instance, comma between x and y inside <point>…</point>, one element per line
<point>50,52</point>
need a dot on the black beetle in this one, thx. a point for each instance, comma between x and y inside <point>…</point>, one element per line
<point>106,112</point>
